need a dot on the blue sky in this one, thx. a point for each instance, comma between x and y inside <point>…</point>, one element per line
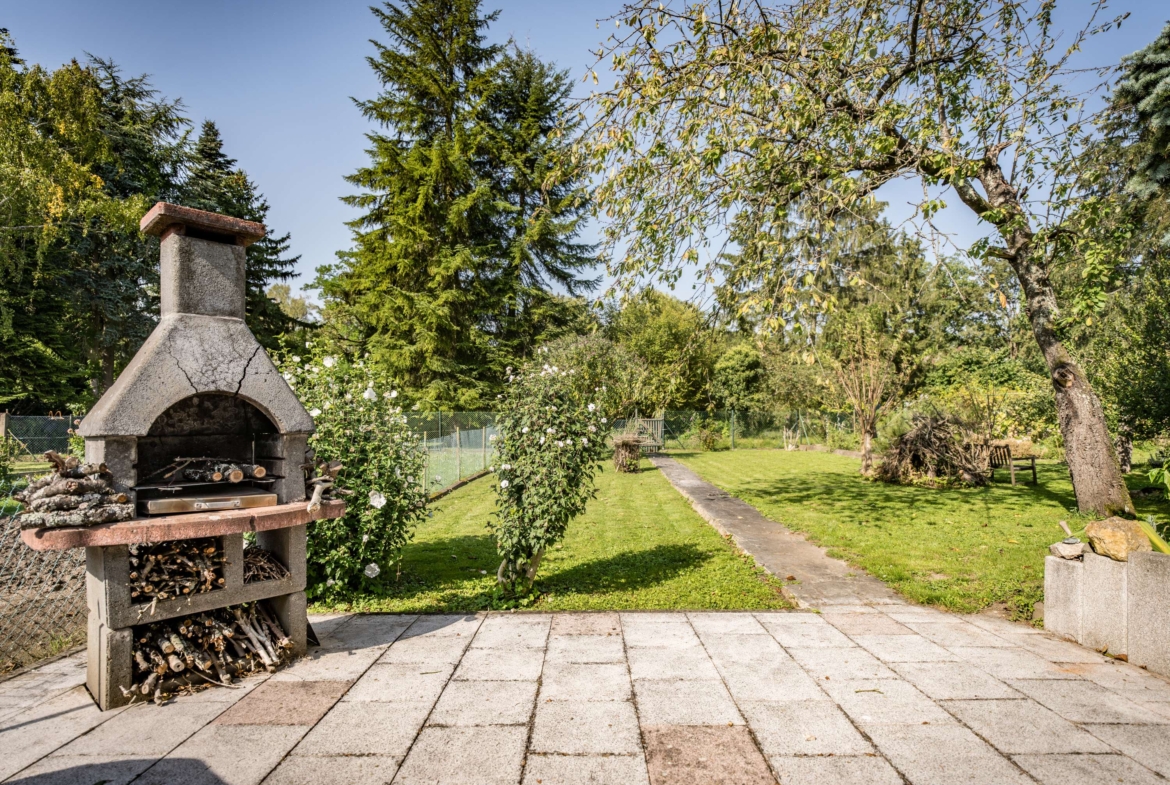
<point>277,78</point>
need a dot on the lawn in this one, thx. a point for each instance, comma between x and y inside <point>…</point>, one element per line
<point>638,546</point>
<point>963,549</point>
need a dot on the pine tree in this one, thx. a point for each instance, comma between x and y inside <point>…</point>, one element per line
<point>215,182</point>
<point>461,235</point>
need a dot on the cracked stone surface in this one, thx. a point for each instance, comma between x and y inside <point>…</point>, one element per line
<point>654,698</point>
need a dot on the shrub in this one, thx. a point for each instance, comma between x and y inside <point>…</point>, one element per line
<point>360,424</point>
<point>551,438</point>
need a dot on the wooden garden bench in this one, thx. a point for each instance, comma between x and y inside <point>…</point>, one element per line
<point>1001,456</point>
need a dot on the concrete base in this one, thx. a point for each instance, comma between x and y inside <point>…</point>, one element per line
<point>1122,608</point>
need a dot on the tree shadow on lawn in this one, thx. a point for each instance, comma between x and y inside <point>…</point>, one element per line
<point>439,583</point>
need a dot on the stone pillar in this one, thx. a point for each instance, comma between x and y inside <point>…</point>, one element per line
<point>1149,611</point>
<point>1063,596</point>
<point>1104,604</point>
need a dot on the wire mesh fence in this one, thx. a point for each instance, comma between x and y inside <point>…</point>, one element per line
<point>42,593</point>
<point>26,439</point>
<point>720,429</point>
<point>458,445</point>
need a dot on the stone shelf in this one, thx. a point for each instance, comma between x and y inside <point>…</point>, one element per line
<point>179,527</point>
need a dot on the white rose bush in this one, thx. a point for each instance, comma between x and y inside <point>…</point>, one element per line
<point>360,424</point>
<point>551,439</point>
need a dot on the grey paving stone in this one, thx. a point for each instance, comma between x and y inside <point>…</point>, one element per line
<point>147,731</point>
<point>427,649</point>
<point>833,664</point>
<point>369,631</point>
<point>917,613</point>
<point>953,681</point>
<point>704,755</point>
<point>661,635</point>
<point>903,648</point>
<point>803,728</point>
<point>809,636</point>
<point>648,617</point>
<point>671,664</point>
<point>885,701</point>
<point>958,633</point>
<point>35,732</point>
<point>866,624</point>
<point>443,625</point>
<point>685,703</point>
<point>225,755</point>
<point>783,681</point>
<point>715,624</point>
<point>572,728</point>
<point>366,729</point>
<point>1001,626</point>
<point>585,648</point>
<point>1023,727</point>
<point>585,682</point>
<point>1012,663</point>
<point>400,683</point>
<point>835,770</point>
<point>857,607</point>
<point>585,770</point>
<point>284,703</point>
<point>944,755</point>
<point>1149,745</point>
<point>512,632</point>
<point>334,770</point>
<point>1055,650</point>
<point>1086,770</point>
<point>84,770</point>
<point>1127,681</point>
<point>458,756</point>
<point>470,703</point>
<point>754,649</point>
<point>586,624</point>
<point>330,665</point>
<point>500,665</point>
<point>1084,701</point>
<point>767,618</point>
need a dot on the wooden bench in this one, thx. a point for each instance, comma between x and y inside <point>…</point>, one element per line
<point>1001,456</point>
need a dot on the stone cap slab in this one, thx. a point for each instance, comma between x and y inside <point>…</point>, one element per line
<point>164,215</point>
<point>180,527</point>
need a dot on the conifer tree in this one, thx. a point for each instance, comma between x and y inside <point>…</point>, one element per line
<point>214,182</point>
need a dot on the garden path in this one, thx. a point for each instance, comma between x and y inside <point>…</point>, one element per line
<point>815,579</point>
<point>867,694</point>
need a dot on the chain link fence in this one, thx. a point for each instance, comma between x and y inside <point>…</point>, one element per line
<point>458,445</point>
<point>25,440</point>
<point>713,430</point>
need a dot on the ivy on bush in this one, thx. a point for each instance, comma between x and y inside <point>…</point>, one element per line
<point>360,424</point>
<point>551,438</point>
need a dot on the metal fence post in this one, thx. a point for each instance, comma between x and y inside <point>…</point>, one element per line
<point>483,448</point>
<point>733,429</point>
<point>458,458</point>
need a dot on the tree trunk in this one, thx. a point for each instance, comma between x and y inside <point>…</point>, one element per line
<point>866,451</point>
<point>1125,448</point>
<point>1092,462</point>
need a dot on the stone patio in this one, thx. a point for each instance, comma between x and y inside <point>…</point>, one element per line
<point>866,694</point>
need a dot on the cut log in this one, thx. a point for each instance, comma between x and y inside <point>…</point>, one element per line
<point>110,513</point>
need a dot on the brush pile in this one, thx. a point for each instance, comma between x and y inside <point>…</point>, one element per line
<point>206,648</point>
<point>627,452</point>
<point>74,494</point>
<point>262,565</point>
<point>935,452</point>
<point>180,568</point>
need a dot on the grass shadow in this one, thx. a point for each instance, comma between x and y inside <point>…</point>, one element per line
<point>627,571</point>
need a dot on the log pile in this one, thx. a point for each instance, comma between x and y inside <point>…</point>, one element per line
<point>262,565</point>
<point>180,568</point>
<point>209,470</point>
<point>74,494</point>
<point>205,648</point>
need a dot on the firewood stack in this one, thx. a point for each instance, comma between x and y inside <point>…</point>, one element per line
<point>209,470</point>
<point>322,479</point>
<point>262,565</point>
<point>75,494</point>
<point>206,648</point>
<point>180,568</point>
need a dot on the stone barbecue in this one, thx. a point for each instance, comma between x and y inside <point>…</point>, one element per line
<point>201,386</point>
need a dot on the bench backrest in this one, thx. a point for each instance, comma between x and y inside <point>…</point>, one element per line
<point>1001,455</point>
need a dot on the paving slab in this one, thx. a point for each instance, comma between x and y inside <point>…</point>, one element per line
<point>346,665</point>
<point>1023,727</point>
<point>958,633</point>
<point>685,703</point>
<point>458,756</point>
<point>762,650</point>
<point>586,624</point>
<point>783,681</point>
<point>695,755</point>
<point>334,770</point>
<point>953,681</point>
<point>1086,770</point>
<point>682,664</point>
<point>502,632</point>
<point>34,733</point>
<point>1012,663</point>
<point>833,664</point>
<point>145,731</point>
<point>500,665</point>
<point>585,682</point>
<point>944,755</point>
<point>474,703</point>
<point>660,635</point>
<point>1149,745</point>
<point>852,623</point>
<point>809,636</point>
<point>586,648</point>
<point>1084,701</point>
<point>84,770</point>
<point>366,729</point>
<point>574,728</point>
<point>885,701</point>
<point>803,728</point>
<point>835,770</point>
<point>426,650</point>
<point>585,770</point>
<point>719,624</point>
<point>225,755</point>
<point>819,579</point>
<point>393,682</point>
<point>903,648</point>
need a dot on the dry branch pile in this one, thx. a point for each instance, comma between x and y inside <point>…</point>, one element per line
<point>935,452</point>
<point>206,648</point>
<point>209,470</point>
<point>180,568</point>
<point>262,565</point>
<point>75,494</point>
<point>322,481</point>
<point>627,452</point>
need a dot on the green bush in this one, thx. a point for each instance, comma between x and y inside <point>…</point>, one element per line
<point>551,437</point>
<point>360,424</point>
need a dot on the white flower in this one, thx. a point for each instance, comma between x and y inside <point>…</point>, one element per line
<point>592,429</point>
<point>560,443</point>
<point>492,438</point>
<point>542,440</point>
<point>370,395</point>
<point>330,582</point>
<point>329,362</point>
<point>603,420</point>
<point>315,413</point>
<point>327,404</point>
<point>377,500</point>
<point>569,442</point>
<point>584,442</point>
<point>524,429</point>
<point>365,538</point>
<point>503,483</point>
<point>393,394</point>
<point>296,359</point>
<point>550,430</point>
<point>592,407</point>
<point>372,570</point>
<point>507,467</point>
<point>349,396</point>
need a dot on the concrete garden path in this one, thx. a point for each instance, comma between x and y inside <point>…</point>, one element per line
<point>864,694</point>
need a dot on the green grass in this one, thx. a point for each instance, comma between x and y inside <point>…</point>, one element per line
<point>638,546</point>
<point>964,549</point>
